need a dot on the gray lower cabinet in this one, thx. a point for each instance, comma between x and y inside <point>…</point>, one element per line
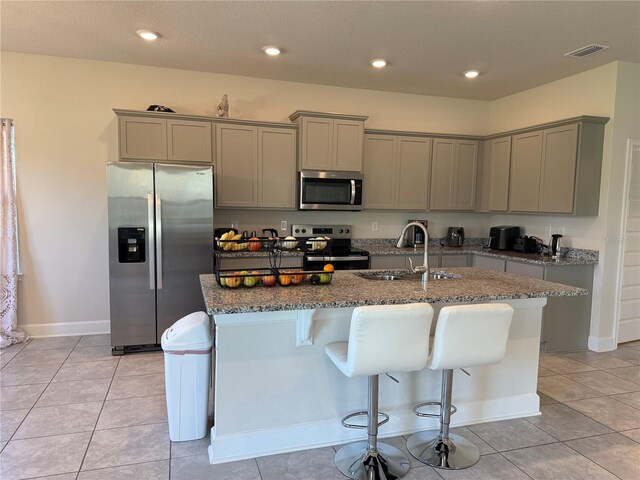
<point>251,263</point>
<point>255,167</point>
<point>454,168</point>
<point>489,263</point>
<point>454,261</point>
<point>396,171</point>
<point>383,262</point>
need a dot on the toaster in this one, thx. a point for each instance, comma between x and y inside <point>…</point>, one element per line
<point>503,237</point>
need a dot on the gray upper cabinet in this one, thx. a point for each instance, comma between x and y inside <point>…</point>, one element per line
<point>329,141</point>
<point>557,175</point>
<point>526,161</point>
<point>453,174</point>
<point>396,171</point>
<point>255,167</point>
<point>151,138</point>
<point>498,162</point>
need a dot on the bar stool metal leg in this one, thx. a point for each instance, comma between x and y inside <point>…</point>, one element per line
<point>370,460</point>
<point>439,448</point>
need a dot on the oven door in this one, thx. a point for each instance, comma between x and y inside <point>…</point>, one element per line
<point>330,191</point>
<point>348,262</point>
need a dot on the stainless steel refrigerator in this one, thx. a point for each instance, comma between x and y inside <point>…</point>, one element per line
<point>160,240</point>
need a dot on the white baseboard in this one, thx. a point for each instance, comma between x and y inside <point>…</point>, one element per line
<point>290,438</point>
<point>602,344</point>
<point>67,328</point>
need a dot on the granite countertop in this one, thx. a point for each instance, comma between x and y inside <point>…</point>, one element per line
<point>534,258</point>
<point>349,290</point>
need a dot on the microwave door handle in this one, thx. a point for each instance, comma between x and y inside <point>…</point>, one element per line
<point>353,192</point>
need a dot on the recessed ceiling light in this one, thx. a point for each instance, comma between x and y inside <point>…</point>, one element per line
<point>271,51</point>
<point>471,74</point>
<point>148,35</point>
<point>378,62</point>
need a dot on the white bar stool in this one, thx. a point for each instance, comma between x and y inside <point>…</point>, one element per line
<point>466,336</point>
<point>384,338</point>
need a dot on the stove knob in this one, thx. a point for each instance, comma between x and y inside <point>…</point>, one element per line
<point>304,230</point>
<point>297,230</point>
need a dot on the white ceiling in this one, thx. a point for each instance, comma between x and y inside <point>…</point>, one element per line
<point>515,45</point>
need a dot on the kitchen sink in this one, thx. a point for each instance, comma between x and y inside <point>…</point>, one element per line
<point>405,275</point>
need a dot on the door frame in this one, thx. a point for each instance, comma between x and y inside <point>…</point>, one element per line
<point>632,145</point>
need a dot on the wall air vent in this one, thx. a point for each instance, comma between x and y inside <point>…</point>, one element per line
<point>584,51</point>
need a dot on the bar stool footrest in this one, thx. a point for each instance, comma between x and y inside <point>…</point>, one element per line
<point>417,408</point>
<point>385,419</point>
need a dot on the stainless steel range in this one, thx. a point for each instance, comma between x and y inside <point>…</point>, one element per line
<point>339,252</point>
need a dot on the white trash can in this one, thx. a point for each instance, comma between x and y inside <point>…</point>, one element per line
<point>187,348</point>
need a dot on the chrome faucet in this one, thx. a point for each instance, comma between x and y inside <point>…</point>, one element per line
<point>424,269</point>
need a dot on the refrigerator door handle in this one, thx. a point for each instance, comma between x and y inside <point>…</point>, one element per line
<point>158,241</point>
<point>151,239</point>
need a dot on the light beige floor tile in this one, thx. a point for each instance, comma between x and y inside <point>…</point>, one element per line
<point>86,370</point>
<point>127,445</point>
<point>27,375</point>
<point>609,412</point>
<point>52,342</point>
<point>60,419</point>
<point>198,468</point>
<point>140,471</point>
<point>621,456</point>
<point>483,446</point>
<point>632,434</point>
<point>565,423</point>
<point>2,445</point>
<point>95,340</point>
<point>631,399</point>
<point>560,364</point>
<point>12,349</point>
<point>133,411</point>
<point>9,422</point>
<point>545,372</point>
<point>489,467</point>
<point>89,354</point>
<point>136,386</point>
<point>631,374</point>
<point>545,399</point>
<point>604,382</point>
<point>27,358</point>
<point>598,360</point>
<point>422,472</point>
<point>38,457</point>
<point>80,391</point>
<point>510,434</point>
<point>556,461</point>
<point>64,476</point>
<point>5,358</point>
<point>305,465</point>
<point>631,355</point>
<point>401,444</point>
<point>564,389</point>
<point>20,396</point>
<point>141,364</point>
<point>189,448</point>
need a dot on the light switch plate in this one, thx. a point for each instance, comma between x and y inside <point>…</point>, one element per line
<point>283,225</point>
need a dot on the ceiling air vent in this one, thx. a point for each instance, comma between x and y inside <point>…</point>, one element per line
<point>584,51</point>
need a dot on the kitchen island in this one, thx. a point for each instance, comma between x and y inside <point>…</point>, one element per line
<point>276,391</point>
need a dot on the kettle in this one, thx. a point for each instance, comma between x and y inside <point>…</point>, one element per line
<point>454,238</point>
<point>555,246</point>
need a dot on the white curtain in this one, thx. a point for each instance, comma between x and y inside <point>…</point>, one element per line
<point>9,331</point>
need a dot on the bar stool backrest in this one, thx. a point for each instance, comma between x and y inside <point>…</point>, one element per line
<point>471,335</point>
<point>389,338</point>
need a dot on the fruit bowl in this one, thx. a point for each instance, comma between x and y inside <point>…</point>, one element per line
<point>288,278</point>
<point>234,279</point>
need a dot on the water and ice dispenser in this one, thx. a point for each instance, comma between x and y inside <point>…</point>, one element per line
<point>131,245</point>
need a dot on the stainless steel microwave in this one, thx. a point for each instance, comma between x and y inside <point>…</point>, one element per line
<point>330,190</point>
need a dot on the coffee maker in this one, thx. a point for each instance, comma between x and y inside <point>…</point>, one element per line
<point>415,236</point>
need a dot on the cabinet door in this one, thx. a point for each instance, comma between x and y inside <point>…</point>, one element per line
<point>316,152</point>
<point>525,269</point>
<point>236,166</point>
<point>387,261</point>
<point>557,182</point>
<point>276,168</point>
<point>489,263</point>
<point>379,171</point>
<point>189,141</point>
<point>143,138</point>
<point>412,177</point>
<point>526,162</point>
<point>454,261</point>
<point>442,164</point>
<point>499,165</point>
<point>465,169</point>
<point>347,145</point>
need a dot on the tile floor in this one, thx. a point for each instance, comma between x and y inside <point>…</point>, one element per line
<point>69,410</point>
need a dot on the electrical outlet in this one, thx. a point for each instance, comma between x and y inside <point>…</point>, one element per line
<point>547,230</point>
<point>283,225</point>
<point>374,226</point>
<point>560,230</point>
<point>235,224</point>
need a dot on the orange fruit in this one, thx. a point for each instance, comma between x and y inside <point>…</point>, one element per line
<point>328,268</point>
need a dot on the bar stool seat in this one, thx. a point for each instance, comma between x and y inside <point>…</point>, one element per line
<point>382,338</point>
<point>466,336</point>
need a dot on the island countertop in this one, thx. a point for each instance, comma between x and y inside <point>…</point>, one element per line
<point>349,290</point>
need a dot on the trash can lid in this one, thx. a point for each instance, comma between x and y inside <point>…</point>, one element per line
<point>192,332</point>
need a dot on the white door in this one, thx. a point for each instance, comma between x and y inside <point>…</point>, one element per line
<point>629,308</point>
